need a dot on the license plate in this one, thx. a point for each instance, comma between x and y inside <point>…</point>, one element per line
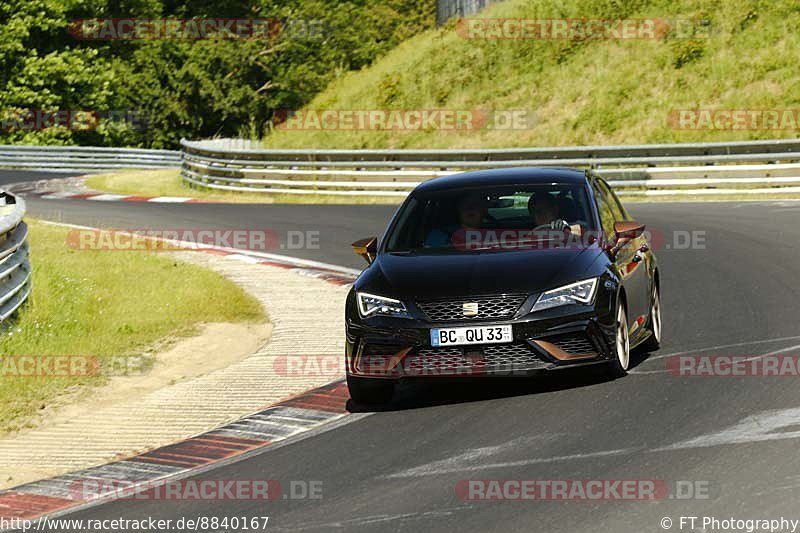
<point>471,335</point>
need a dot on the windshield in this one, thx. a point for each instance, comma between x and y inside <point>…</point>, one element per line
<point>499,218</point>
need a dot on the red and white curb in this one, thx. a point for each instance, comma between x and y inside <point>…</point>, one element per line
<point>282,421</point>
<point>75,189</point>
<point>105,197</point>
<point>287,419</point>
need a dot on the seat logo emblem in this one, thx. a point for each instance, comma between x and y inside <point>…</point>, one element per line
<point>470,309</point>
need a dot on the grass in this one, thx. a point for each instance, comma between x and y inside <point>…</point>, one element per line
<point>169,183</point>
<point>581,93</point>
<point>105,304</point>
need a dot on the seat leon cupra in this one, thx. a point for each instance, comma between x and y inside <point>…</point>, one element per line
<point>501,273</point>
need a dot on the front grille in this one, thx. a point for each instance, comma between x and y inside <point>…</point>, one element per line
<point>456,361</point>
<point>508,353</point>
<point>387,349</point>
<point>577,344</point>
<point>573,344</point>
<point>437,360</point>
<point>489,308</point>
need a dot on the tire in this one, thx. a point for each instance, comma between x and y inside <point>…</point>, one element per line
<point>653,342</point>
<point>370,391</point>
<point>618,366</point>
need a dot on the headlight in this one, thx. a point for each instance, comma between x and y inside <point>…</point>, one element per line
<point>371,305</point>
<point>581,292</point>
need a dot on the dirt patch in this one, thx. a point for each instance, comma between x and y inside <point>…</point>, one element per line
<point>215,347</point>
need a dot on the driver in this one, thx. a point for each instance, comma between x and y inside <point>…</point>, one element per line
<point>544,210</point>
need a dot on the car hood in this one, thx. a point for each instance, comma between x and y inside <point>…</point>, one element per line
<point>493,272</point>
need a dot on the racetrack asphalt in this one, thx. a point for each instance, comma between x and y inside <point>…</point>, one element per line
<point>397,469</point>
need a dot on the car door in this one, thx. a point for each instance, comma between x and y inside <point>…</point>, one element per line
<point>630,259</point>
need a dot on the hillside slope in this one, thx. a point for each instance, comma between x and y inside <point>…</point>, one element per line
<point>738,56</point>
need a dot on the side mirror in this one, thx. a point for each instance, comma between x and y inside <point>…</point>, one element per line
<point>625,232</point>
<point>628,230</point>
<point>366,248</point>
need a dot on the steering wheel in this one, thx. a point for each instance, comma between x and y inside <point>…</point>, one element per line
<point>555,225</point>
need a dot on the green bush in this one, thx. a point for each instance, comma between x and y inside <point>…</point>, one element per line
<point>184,88</point>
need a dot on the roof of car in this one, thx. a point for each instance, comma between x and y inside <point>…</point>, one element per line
<point>505,176</point>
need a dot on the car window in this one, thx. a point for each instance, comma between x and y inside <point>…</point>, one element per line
<point>604,210</point>
<point>613,202</point>
<point>469,219</point>
<point>404,232</point>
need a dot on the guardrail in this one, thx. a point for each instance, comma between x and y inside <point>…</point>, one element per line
<point>446,9</point>
<point>750,167</point>
<point>15,268</point>
<point>84,158</point>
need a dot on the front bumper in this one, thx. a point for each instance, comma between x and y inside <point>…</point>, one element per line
<point>394,348</point>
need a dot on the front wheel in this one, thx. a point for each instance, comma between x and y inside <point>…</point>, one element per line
<point>369,391</point>
<point>653,342</point>
<point>618,366</point>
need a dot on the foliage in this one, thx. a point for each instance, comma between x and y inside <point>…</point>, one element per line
<point>150,93</point>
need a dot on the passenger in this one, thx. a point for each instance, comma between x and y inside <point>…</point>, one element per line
<point>471,209</point>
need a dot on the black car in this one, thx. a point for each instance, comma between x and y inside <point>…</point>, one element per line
<point>501,273</point>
